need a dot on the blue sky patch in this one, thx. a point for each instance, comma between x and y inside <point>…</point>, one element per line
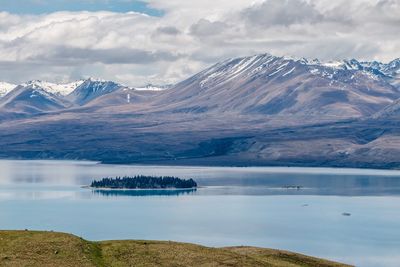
<point>49,6</point>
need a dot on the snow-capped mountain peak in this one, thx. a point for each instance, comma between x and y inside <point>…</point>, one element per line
<point>91,89</point>
<point>5,88</point>
<point>271,85</point>
<point>392,67</point>
<point>273,67</point>
<point>31,99</point>
<point>61,89</point>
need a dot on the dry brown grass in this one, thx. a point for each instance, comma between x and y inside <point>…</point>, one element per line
<point>26,248</point>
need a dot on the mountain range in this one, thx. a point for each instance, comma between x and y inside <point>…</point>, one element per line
<point>257,110</point>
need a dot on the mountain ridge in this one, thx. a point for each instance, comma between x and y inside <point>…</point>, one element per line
<point>250,111</point>
<point>272,85</point>
<point>259,84</point>
<point>31,99</point>
<point>390,69</point>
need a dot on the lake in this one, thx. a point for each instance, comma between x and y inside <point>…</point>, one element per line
<point>346,215</point>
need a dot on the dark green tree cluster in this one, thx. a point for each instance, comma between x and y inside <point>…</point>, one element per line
<point>144,182</point>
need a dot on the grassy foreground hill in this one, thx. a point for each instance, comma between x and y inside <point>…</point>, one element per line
<point>28,248</point>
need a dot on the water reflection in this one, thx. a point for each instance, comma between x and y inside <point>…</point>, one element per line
<point>141,193</point>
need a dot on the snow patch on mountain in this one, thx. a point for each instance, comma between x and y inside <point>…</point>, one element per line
<point>31,99</point>
<point>5,88</point>
<point>331,64</point>
<point>289,72</point>
<point>61,89</point>
<point>151,87</point>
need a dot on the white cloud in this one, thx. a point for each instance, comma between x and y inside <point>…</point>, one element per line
<point>135,49</point>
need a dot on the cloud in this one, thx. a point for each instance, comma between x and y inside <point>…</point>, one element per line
<point>73,56</point>
<point>281,12</point>
<point>169,30</point>
<point>134,48</point>
<point>205,27</point>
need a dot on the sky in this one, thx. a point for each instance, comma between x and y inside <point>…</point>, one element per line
<point>163,42</point>
<point>49,6</point>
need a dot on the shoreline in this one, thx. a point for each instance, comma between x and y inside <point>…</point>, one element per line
<point>255,168</point>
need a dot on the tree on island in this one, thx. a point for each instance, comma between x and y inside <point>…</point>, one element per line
<point>144,182</point>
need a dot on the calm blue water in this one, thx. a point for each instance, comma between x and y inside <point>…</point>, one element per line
<point>233,206</point>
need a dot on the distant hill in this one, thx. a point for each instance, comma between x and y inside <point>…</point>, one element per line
<point>122,98</point>
<point>392,111</point>
<point>91,89</point>
<point>36,97</point>
<point>258,110</point>
<point>31,99</point>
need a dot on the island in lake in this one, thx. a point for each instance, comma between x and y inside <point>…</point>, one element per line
<point>144,182</point>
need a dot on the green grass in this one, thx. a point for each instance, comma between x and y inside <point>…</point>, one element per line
<point>27,248</point>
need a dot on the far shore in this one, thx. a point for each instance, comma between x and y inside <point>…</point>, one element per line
<point>256,168</point>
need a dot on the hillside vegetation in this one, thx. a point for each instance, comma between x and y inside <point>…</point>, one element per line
<point>27,248</point>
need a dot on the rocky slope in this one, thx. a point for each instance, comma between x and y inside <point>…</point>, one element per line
<point>270,85</point>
